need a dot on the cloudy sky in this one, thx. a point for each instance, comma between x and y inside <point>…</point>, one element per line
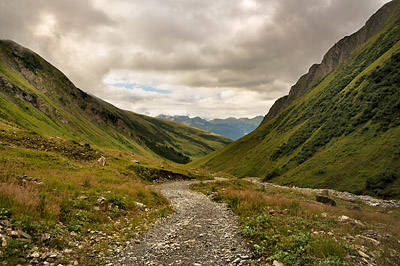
<point>208,58</point>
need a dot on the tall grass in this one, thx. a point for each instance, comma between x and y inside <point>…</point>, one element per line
<point>59,195</point>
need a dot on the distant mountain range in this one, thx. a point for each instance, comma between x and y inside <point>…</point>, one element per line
<point>233,128</point>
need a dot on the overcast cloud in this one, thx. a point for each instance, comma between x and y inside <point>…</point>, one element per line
<point>211,58</point>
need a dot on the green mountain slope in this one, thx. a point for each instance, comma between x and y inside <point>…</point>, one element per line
<point>232,128</point>
<point>36,96</point>
<point>339,127</point>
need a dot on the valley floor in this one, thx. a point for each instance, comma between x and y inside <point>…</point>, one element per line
<point>57,207</point>
<point>201,232</point>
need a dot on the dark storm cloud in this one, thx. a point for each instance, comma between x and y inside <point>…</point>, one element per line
<point>221,56</point>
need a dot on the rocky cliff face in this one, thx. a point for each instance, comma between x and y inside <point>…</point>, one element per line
<point>339,54</point>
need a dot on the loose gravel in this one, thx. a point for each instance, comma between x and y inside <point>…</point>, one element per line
<point>200,232</point>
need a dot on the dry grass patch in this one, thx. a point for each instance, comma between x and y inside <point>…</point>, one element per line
<point>27,196</point>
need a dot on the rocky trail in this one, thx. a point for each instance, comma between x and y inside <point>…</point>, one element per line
<point>200,232</point>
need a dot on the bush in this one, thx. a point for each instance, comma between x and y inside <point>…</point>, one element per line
<point>378,185</point>
<point>169,153</point>
<point>4,214</point>
<point>274,173</point>
<point>118,201</point>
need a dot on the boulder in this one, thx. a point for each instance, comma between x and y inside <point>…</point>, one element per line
<point>343,219</point>
<point>101,200</point>
<point>325,200</point>
<point>14,234</point>
<point>5,223</point>
<point>3,241</point>
<point>277,263</point>
<point>140,206</point>
<point>35,255</point>
<point>45,237</point>
<point>101,161</point>
<point>24,235</point>
<point>362,254</point>
<point>354,207</point>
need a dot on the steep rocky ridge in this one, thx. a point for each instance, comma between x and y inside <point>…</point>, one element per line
<point>339,54</point>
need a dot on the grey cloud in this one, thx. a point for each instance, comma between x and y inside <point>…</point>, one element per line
<point>193,44</point>
<point>298,36</point>
<point>75,16</point>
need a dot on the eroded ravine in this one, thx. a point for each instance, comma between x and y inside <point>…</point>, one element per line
<point>200,232</point>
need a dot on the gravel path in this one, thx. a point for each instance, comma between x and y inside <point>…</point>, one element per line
<point>201,232</point>
<point>343,195</point>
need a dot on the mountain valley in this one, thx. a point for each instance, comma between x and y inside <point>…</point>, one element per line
<point>316,181</point>
<point>36,96</point>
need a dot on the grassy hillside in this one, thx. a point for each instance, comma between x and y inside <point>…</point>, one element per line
<point>56,204</point>
<point>52,196</point>
<point>36,96</point>
<point>343,132</point>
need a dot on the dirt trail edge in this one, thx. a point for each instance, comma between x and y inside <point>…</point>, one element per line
<point>201,232</point>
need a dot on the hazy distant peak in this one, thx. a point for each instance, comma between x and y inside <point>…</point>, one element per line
<point>233,128</point>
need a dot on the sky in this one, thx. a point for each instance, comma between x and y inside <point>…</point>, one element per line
<point>207,58</point>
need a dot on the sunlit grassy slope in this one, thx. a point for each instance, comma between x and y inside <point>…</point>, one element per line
<point>344,133</point>
<point>36,96</point>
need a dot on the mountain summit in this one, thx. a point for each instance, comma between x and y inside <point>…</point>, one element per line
<point>339,127</point>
